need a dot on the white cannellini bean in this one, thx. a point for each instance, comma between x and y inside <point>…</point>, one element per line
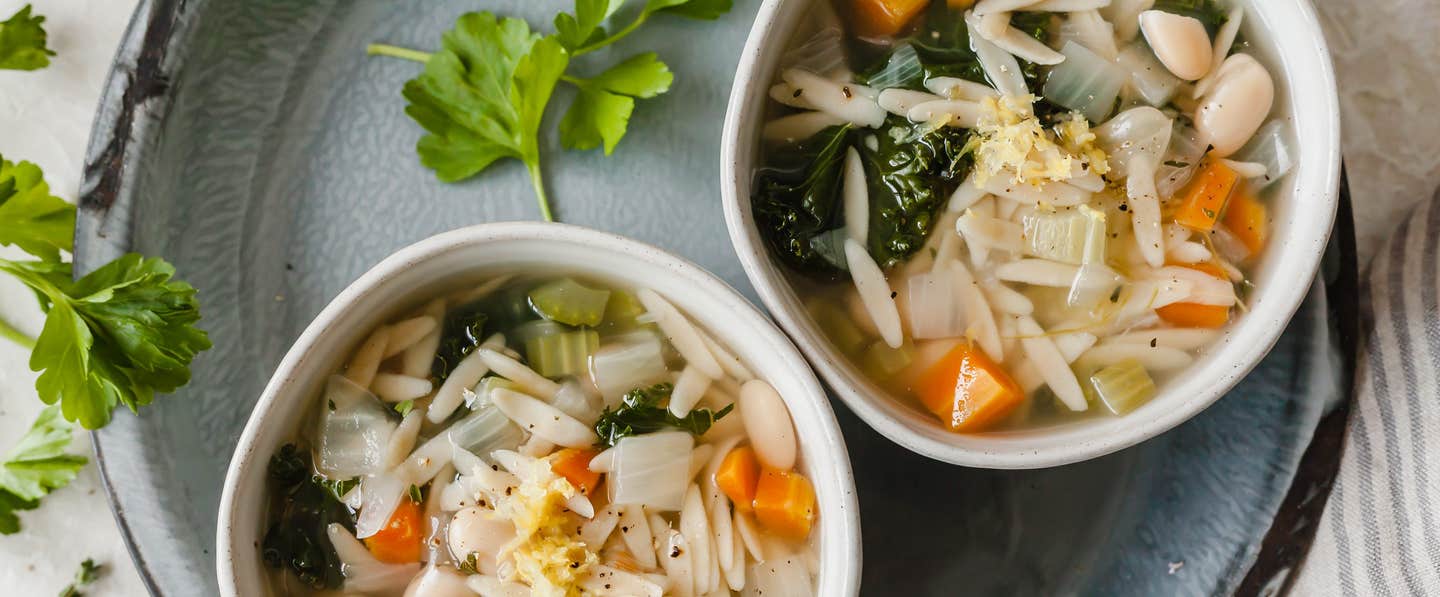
<point>767,422</point>
<point>366,361</point>
<point>406,333</point>
<point>689,389</point>
<point>683,335</point>
<point>794,127</point>
<point>391,387</point>
<point>1180,42</point>
<point>844,100</point>
<point>418,358</point>
<point>1053,367</point>
<point>1236,105</point>
<point>542,419</point>
<point>874,292</point>
<point>463,377</point>
<point>898,101</point>
<point>959,113</point>
<point>513,370</point>
<point>439,581</point>
<point>856,198</point>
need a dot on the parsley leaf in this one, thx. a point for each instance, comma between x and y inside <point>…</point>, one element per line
<point>89,572</point>
<point>404,407</point>
<point>116,336</point>
<point>482,97</point>
<point>575,31</point>
<point>643,410</point>
<point>30,217</point>
<point>22,42</point>
<point>35,466</point>
<point>601,111</point>
<point>695,9</point>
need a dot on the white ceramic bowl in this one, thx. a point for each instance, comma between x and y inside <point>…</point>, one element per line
<point>444,262</point>
<point>1287,39</point>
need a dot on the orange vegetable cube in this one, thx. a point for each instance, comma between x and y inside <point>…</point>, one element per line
<point>885,17</point>
<point>1248,220</point>
<point>574,465</point>
<point>398,542</point>
<point>785,503</point>
<point>738,476</point>
<point>1203,200</point>
<point>967,390</point>
<point>1195,315</point>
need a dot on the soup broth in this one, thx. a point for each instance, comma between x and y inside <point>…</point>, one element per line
<point>1016,213</point>
<point>542,435</point>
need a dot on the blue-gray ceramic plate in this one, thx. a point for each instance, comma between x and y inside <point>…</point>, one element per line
<point>253,144</point>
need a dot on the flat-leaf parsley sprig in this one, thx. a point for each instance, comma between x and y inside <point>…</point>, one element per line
<point>116,336</point>
<point>22,42</point>
<point>482,96</point>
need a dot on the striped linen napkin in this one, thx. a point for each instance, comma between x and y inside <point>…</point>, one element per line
<point>1380,534</point>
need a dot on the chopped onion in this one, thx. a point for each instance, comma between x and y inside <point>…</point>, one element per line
<point>1085,82</point>
<point>1182,159</point>
<point>355,429</point>
<point>1000,67</point>
<point>627,362</point>
<point>651,470</point>
<point>934,306</point>
<point>573,400</point>
<point>1091,31</point>
<point>823,51</point>
<point>1052,365</point>
<point>982,324</point>
<point>874,292</point>
<point>482,431</point>
<point>836,99</point>
<point>784,573</point>
<point>1270,148</point>
<point>1148,77</point>
<point>683,335</point>
<point>902,69</point>
<point>1247,169</point>
<point>798,127</point>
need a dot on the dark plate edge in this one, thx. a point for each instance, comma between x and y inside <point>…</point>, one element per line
<point>1292,533</point>
<point>137,74</point>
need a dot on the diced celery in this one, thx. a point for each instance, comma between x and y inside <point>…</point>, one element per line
<point>881,362</point>
<point>836,324</point>
<point>489,384</point>
<point>1122,387</point>
<point>554,350</point>
<point>1074,236</point>
<point>622,310</point>
<point>1085,82</point>
<point>568,302</point>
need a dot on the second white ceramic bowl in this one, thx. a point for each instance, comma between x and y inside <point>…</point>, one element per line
<point>1286,38</point>
<point>447,261</point>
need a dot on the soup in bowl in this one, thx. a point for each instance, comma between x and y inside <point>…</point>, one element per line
<point>1019,233</point>
<point>540,409</point>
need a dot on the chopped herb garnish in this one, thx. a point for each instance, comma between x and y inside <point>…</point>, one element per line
<point>88,573</point>
<point>404,407</point>
<point>1177,164</point>
<point>644,410</point>
<point>470,565</point>
<point>22,42</point>
<point>337,488</point>
<point>416,494</point>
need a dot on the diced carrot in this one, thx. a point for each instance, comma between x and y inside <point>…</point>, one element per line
<point>398,542</point>
<point>1248,220</point>
<point>574,465</point>
<point>1203,200</point>
<point>967,390</point>
<point>885,17</point>
<point>1195,315</point>
<point>738,475</point>
<point>960,4</point>
<point>785,503</point>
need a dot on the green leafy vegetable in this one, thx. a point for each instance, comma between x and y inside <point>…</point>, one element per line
<point>22,42</point>
<point>88,573</point>
<point>404,407</point>
<point>415,493</point>
<point>643,410</point>
<point>483,95</point>
<point>461,333</point>
<point>296,540</point>
<point>116,336</point>
<point>797,197</point>
<point>337,488</point>
<point>30,217</point>
<point>910,174</point>
<point>35,466</point>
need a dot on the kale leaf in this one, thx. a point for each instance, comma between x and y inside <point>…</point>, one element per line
<point>643,410</point>
<point>461,333</point>
<point>910,173</point>
<point>302,507</point>
<point>797,198</point>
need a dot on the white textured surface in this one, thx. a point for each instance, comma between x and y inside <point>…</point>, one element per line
<point>1384,52</point>
<point>45,118</point>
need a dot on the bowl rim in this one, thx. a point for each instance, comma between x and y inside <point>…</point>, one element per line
<point>839,515</point>
<point>1244,343</point>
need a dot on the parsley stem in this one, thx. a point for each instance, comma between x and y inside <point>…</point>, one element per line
<point>397,52</point>
<point>539,182</point>
<point>586,49</point>
<point>9,332</point>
